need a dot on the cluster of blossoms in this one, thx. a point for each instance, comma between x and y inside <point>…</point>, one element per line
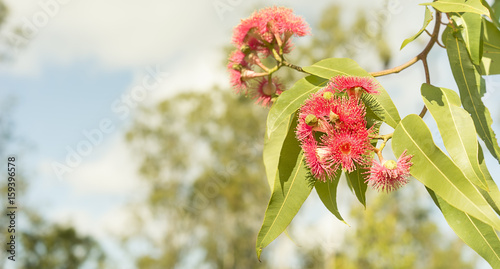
<point>333,133</point>
<point>332,128</point>
<point>266,33</point>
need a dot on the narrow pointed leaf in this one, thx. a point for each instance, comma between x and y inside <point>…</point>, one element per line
<point>289,154</point>
<point>327,192</point>
<point>289,101</point>
<point>357,181</point>
<point>457,130</point>
<point>472,88</point>
<point>471,28</point>
<point>273,144</point>
<point>460,139</point>
<point>480,236</point>
<point>493,196</point>
<point>427,19</point>
<point>332,67</point>
<point>286,200</point>
<point>438,172</point>
<point>490,64</point>
<point>374,111</point>
<point>494,11</point>
<point>472,6</point>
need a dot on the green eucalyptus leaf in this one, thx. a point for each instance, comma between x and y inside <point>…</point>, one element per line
<point>494,11</point>
<point>457,130</point>
<point>332,67</point>
<point>290,100</point>
<point>493,196</point>
<point>490,64</point>
<point>471,6</point>
<point>357,182</point>
<point>472,88</point>
<point>438,172</point>
<point>471,28</point>
<point>496,7</point>
<point>427,19</point>
<point>273,144</point>
<point>287,198</point>
<point>460,139</point>
<point>289,154</point>
<point>327,192</point>
<point>374,111</point>
<point>480,236</point>
<point>444,35</point>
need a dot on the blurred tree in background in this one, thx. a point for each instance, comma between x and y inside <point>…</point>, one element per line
<point>359,40</point>
<point>39,242</point>
<point>46,245</point>
<point>394,233</point>
<point>201,158</point>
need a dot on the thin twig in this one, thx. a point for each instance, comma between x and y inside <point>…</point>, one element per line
<point>396,69</point>
<point>296,67</point>
<point>423,54</point>
<point>441,45</point>
<point>426,70</point>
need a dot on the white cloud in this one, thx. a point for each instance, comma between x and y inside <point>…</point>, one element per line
<point>110,170</point>
<point>118,33</point>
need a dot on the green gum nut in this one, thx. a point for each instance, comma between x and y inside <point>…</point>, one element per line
<point>391,164</point>
<point>327,95</point>
<point>311,120</point>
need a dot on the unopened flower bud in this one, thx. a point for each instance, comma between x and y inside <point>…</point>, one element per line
<point>245,49</point>
<point>333,117</point>
<point>391,164</point>
<point>311,120</point>
<point>269,89</point>
<point>237,67</point>
<point>327,95</point>
<point>322,153</point>
<point>248,74</point>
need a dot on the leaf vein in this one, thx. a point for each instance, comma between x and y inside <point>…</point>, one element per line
<point>439,170</point>
<point>487,242</point>
<point>469,92</point>
<point>286,198</point>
